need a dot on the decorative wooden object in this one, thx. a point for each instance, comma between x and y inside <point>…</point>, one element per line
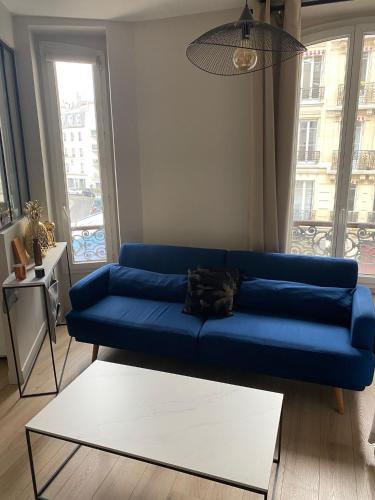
<point>19,251</point>
<point>37,252</point>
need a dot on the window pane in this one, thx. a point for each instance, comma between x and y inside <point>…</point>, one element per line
<point>8,146</point>
<point>360,223</point>
<point>82,163</point>
<point>11,82</point>
<point>4,204</point>
<point>320,118</point>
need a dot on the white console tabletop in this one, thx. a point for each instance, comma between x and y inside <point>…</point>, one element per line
<point>49,263</point>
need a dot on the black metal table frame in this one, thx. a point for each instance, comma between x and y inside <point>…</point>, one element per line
<point>38,493</point>
<point>48,331</point>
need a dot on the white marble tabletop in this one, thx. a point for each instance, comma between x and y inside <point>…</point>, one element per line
<point>223,431</point>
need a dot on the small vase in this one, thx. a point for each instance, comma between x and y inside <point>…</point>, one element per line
<point>37,251</point>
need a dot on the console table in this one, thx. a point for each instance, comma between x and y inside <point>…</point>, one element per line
<point>50,262</point>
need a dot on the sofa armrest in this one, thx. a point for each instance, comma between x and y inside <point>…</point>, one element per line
<point>90,289</point>
<point>363,319</point>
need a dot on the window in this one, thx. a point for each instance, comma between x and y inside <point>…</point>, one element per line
<point>342,208</point>
<point>307,137</point>
<point>358,136</point>
<point>303,200</point>
<point>14,190</point>
<point>311,77</point>
<point>90,224</point>
<point>71,133</point>
<point>352,215</point>
<point>73,153</point>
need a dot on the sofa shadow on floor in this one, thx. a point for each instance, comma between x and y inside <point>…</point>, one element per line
<point>221,374</point>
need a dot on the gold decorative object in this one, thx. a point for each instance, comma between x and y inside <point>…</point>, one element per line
<point>35,229</point>
<point>50,226</point>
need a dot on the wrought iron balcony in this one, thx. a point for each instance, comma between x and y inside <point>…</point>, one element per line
<point>315,238</point>
<point>308,156</point>
<point>88,243</point>
<point>312,93</point>
<point>363,159</point>
<point>351,216</point>
<point>366,93</point>
<point>303,215</point>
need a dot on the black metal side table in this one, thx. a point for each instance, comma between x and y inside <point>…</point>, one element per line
<point>49,263</point>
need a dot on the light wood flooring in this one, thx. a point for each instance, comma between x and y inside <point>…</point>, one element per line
<point>324,455</point>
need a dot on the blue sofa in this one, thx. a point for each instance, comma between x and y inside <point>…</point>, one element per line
<point>339,354</point>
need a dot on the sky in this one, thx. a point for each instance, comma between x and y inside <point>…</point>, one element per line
<point>74,79</point>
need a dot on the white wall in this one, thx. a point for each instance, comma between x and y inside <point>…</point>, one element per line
<point>180,136</point>
<point>6,29</point>
<point>193,132</point>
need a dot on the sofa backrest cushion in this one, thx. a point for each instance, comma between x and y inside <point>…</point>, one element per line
<point>169,259</point>
<point>324,304</point>
<point>147,284</point>
<point>321,271</point>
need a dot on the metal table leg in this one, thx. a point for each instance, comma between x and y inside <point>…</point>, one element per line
<point>39,492</point>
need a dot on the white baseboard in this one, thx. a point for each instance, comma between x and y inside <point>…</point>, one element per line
<point>26,367</point>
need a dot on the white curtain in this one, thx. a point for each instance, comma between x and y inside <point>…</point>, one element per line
<point>274,101</point>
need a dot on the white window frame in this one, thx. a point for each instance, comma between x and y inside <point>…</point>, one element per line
<point>49,53</point>
<point>355,34</point>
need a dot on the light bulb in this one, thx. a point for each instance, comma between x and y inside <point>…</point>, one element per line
<point>244,59</point>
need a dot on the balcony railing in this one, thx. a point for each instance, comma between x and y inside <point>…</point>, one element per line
<point>351,216</point>
<point>88,243</point>
<point>363,159</point>
<point>303,215</point>
<point>312,93</point>
<point>308,156</point>
<point>366,93</point>
<point>315,238</point>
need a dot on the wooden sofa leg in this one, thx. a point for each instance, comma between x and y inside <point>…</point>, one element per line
<point>339,395</point>
<point>95,350</point>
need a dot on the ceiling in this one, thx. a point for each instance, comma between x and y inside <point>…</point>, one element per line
<point>137,10</point>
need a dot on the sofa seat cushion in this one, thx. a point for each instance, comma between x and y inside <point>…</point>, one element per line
<point>137,324</point>
<point>287,347</point>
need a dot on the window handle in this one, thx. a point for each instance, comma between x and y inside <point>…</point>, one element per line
<point>65,212</point>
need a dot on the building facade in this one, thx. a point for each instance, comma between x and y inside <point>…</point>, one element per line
<point>322,95</point>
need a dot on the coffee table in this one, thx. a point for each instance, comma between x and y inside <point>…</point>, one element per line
<point>217,431</point>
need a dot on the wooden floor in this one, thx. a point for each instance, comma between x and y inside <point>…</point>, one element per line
<point>324,455</point>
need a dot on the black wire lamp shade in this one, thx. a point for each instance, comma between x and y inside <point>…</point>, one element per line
<point>242,47</point>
